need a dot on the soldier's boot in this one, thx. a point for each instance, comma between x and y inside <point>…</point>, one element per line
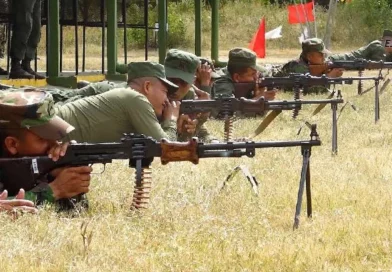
<point>3,72</point>
<point>17,71</point>
<point>26,65</point>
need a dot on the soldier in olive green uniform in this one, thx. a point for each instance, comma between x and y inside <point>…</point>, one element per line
<point>206,74</point>
<point>26,34</point>
<point>181,68</point>
<point>136,109</point>
<point>62,97</point>
<point>313,52</point>
<point>375,51</point>
<point>241,67</point>
<point>29,127</point>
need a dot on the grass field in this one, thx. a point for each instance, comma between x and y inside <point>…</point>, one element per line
<point>191,225</point>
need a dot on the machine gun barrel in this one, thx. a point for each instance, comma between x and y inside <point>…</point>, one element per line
<point>300,81</point>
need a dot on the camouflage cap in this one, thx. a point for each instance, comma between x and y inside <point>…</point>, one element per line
<point>243,57</point>
<point>181,64</point>
<point>214,73</point>
<point>32,109</point>
<point>387,38</point>
<point>149,69</point>
<point>314,45</point>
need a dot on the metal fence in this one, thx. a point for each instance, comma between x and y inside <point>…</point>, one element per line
<point>83,14</point>
<point>108,16</point>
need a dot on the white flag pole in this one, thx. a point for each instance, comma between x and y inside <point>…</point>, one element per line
<point>306,17</point>
<point>315,21</point>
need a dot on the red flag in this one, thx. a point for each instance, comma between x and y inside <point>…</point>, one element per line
<point>258,42</point>
<point>301,13</point>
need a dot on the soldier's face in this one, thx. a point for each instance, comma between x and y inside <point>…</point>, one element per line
<point>183,88</point>
<point>315,57</point>
<point>157,95</point>
<point>28,144</point>
<point>249,76</point>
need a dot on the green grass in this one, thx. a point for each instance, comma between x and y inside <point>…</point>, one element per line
<point>191,225</point>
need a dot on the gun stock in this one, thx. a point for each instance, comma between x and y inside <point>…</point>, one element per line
<point>244,89</point>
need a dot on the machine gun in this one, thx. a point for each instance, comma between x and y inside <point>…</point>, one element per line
<point>140,151</point>
<point>299,81</point>
<point>227,108</point>
<point>294,81</point>
<point>353,65</point>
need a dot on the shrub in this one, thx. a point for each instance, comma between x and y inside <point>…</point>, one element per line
<point>177,34</point>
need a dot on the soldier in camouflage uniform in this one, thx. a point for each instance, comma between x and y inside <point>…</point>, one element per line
<point>29,127</point>
<point>181,68</point>
<point>135,109</point>
<point>241,67</point>
<point>375,51</point>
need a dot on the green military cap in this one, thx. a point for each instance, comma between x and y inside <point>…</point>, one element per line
<point>214,73</point>
<point>243,57</point>
<point>387,38</point>
<point>149,69</point>
<point>32,109</point>
<point>181,64</point>
<point>314,45</point>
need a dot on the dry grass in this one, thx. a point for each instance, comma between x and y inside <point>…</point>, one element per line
<point>93,62</point>
<point>193,226</point>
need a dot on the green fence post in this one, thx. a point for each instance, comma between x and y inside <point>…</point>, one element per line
<point>53,39</point>
<point>162,32</point>
<point>198,27</point>
<point>215,34</point>
<point>111,7</point>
